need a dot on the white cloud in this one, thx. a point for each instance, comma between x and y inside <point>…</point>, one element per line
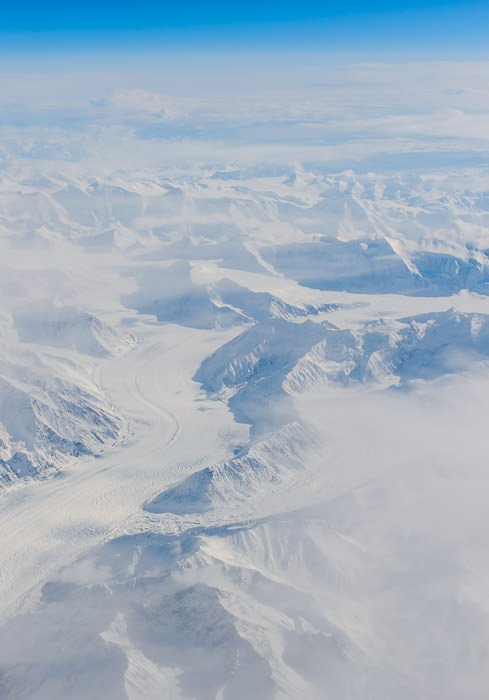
<point>142,102</point>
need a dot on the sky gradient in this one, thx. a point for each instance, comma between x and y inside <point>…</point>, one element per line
<point>443,26</point>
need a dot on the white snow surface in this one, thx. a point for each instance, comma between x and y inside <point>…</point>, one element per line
<point>242,434</point>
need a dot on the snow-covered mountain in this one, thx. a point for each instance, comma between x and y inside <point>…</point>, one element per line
<point>52,407</point>
<point>242,424</point>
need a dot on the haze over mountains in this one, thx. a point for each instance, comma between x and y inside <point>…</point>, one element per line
<point>242,435</point>
<point>244,373</point>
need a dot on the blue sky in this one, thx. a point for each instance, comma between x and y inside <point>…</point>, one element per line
<point>451,28</point>
<point>128,15</point>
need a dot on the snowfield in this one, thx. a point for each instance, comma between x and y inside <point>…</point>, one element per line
<point>243,434</point>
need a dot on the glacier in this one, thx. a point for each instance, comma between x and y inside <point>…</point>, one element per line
<point>242,417</point>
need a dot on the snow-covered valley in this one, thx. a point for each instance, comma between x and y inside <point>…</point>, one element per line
<point>242,434</point>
